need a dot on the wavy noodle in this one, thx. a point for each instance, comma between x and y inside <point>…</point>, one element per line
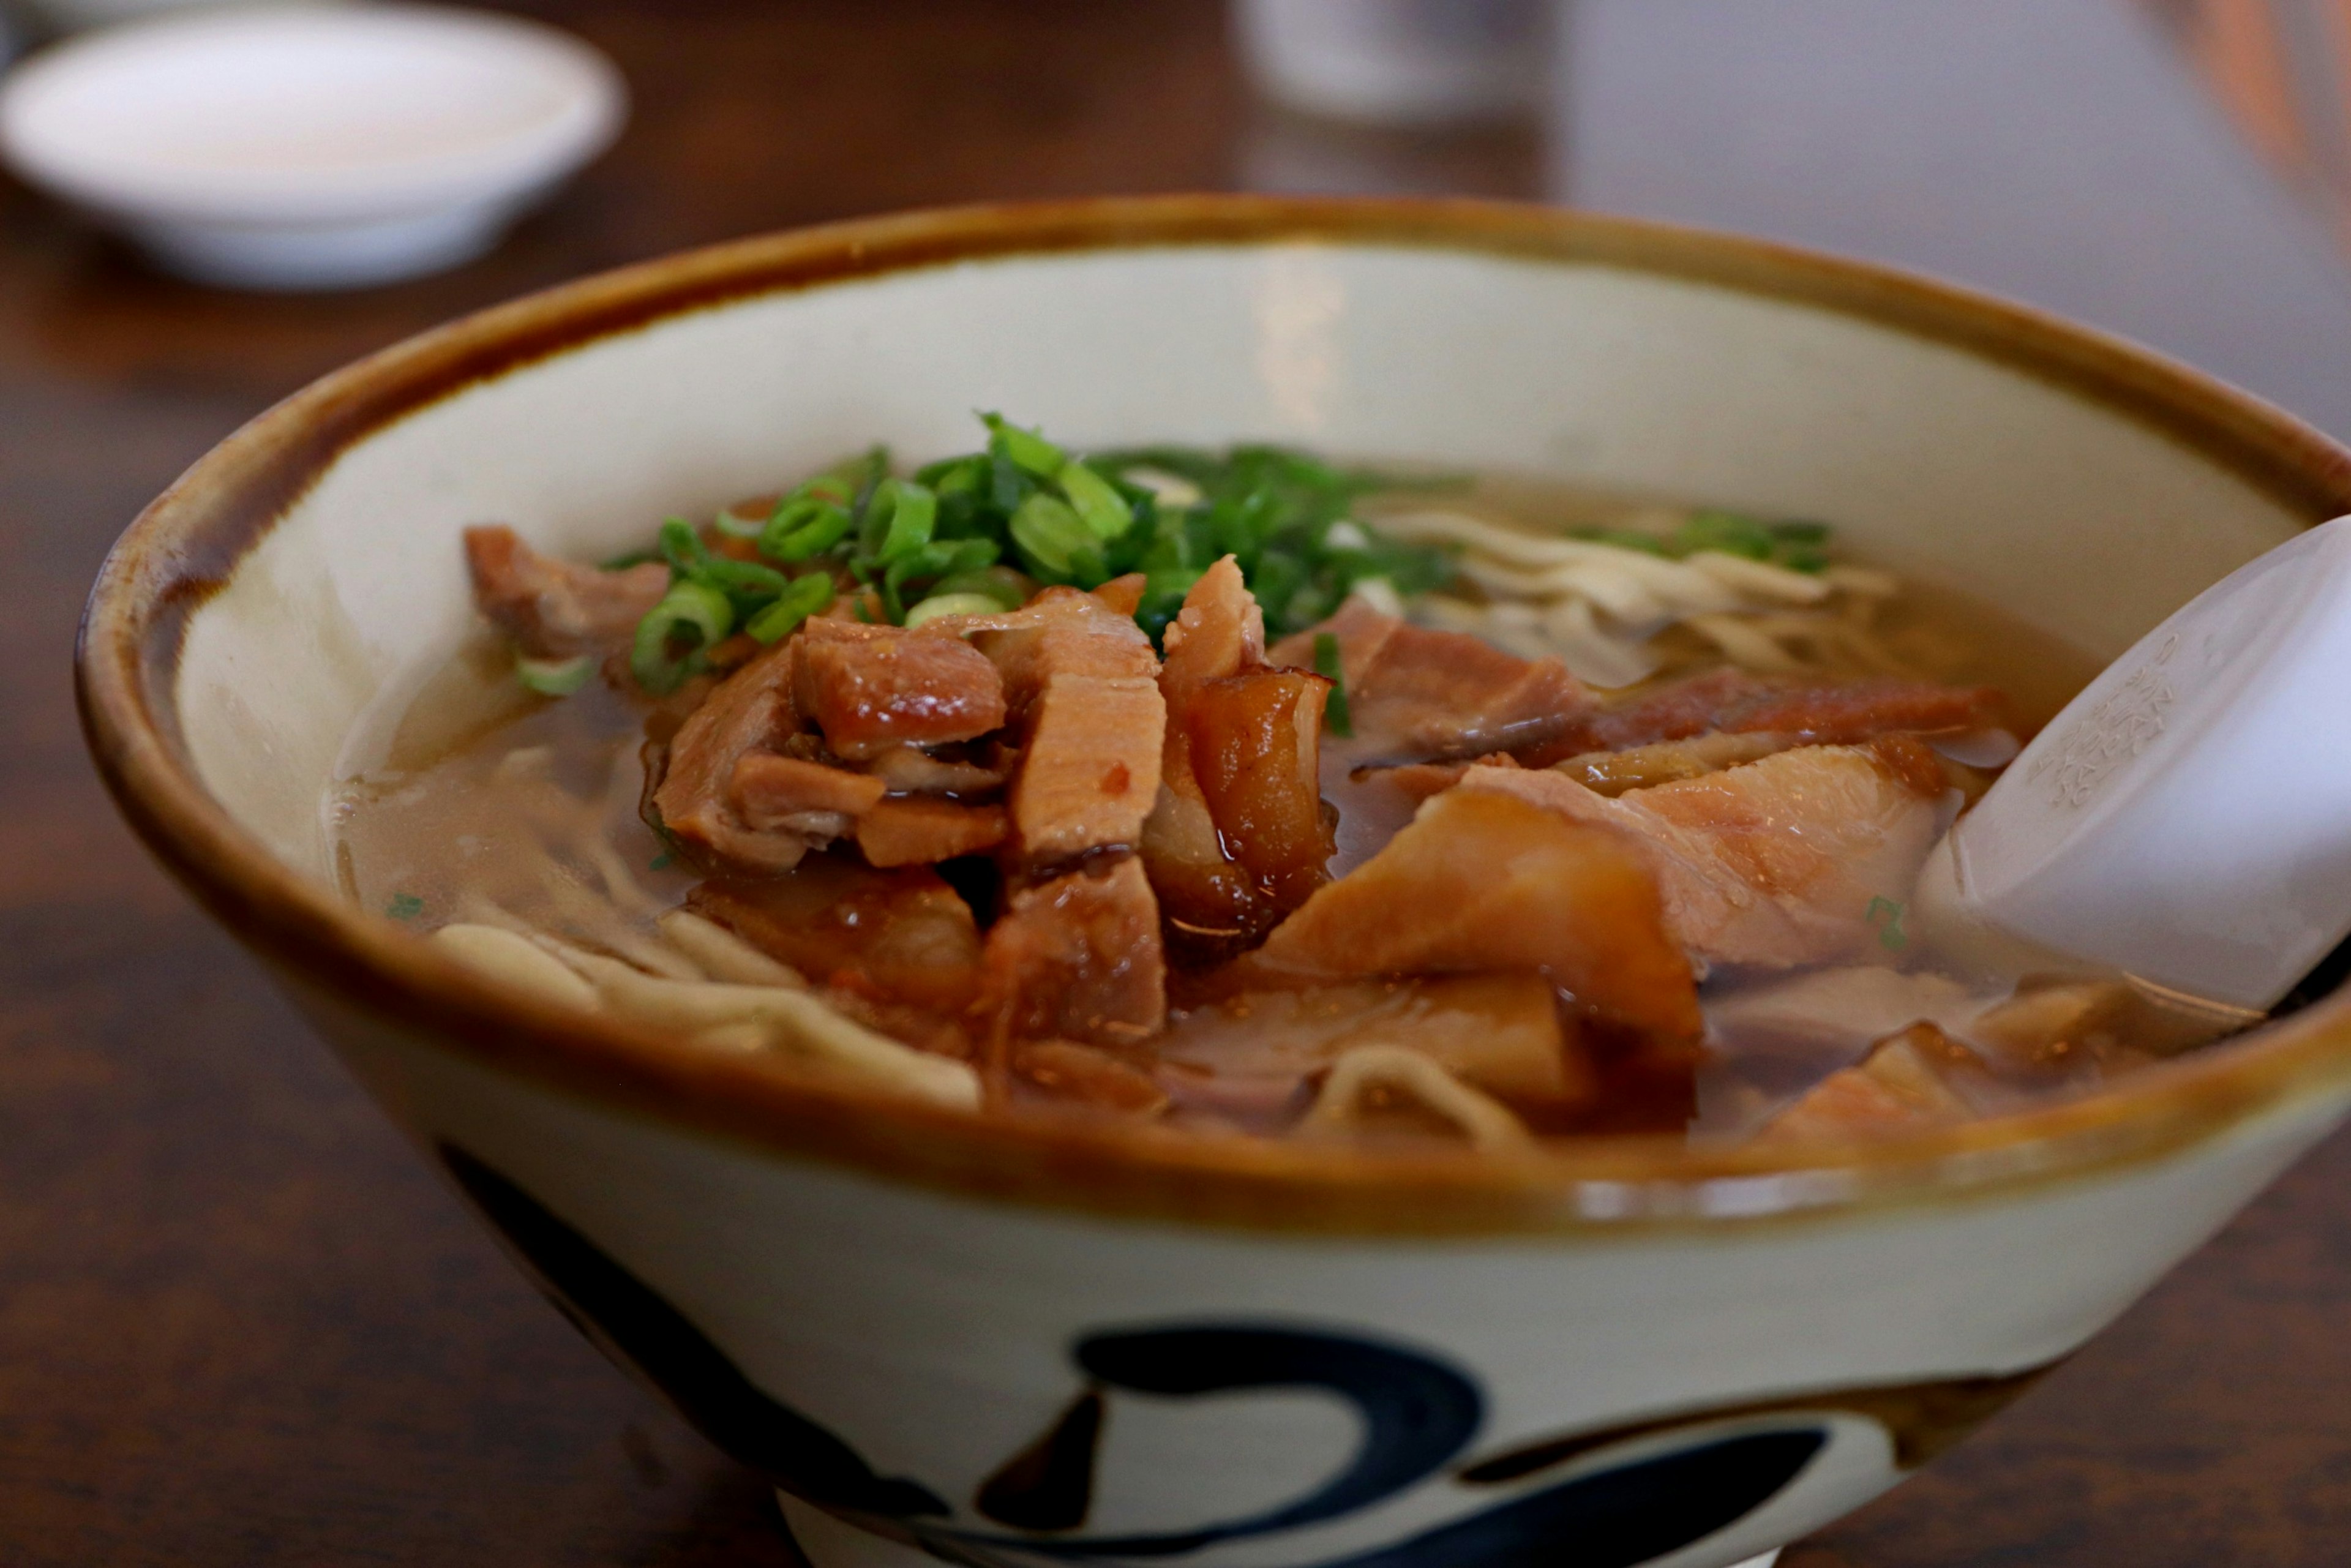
<point>1601,607</point>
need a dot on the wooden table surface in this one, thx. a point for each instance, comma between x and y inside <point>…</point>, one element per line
<point>241,1324</point>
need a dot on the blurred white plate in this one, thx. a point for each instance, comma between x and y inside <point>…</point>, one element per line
<point>300,147</point>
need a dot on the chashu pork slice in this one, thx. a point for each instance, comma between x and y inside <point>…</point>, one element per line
<point>1413,694</point>
<point>1481,882</point>
<point>1807,856</point>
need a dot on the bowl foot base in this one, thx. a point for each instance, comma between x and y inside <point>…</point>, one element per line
<point>827,1542</point>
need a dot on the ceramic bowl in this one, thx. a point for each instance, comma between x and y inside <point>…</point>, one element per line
<point>1014,1343</point>
<point>310,146</point>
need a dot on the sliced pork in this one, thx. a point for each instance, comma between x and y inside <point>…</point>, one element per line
<point>1081,686</point>
<point>694,802</point>
<point>899,936</point>
<point>1733,702</point>
<point>1078,957</point>
<point>1415,694</point>
<point>921,829</point>
<point>1481,882</point>
<point>873,689</point>
<point>557,609</point>
<point>1807,856</point>
<point>1251,1055</point>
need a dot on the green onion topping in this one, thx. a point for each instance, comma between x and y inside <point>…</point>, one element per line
<point>554,677</point>
<point>675,634</point>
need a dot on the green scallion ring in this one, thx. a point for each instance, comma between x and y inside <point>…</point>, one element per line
<point>554,677</point>
<point>939,604</point>
<point>689,610</point>
<point>804,598</point>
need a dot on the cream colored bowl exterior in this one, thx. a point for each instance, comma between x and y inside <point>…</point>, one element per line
<point>933,1332</point>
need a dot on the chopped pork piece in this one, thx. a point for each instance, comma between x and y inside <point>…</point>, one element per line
<point>1416,693</point>
<point>1219,632</point>
<point>918,830</point>
<point>751,711</point>
<point>869,688</point>
<point>1910,1080</point>
<point>1737,702</point>
<point>1806,856</point>
<point>2069,1026</point>
<point>907,770</point>
<point>1079,958</point>
<point>1255,755</point>
<point>899,935</point>
<point>1090,768</point>
<point>1089,1075</point>
<point>1082,688</point>
<point>772,790</point>
<point>557,609</point>
<point>1480,881</point>
<point>1061,632</point>
<point>1503,1034</point>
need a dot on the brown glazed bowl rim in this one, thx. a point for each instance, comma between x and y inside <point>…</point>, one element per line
<point>182,548</point>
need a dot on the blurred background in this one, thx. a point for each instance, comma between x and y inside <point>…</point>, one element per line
<point>237,1322</point>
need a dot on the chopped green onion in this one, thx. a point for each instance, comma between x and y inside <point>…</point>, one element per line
<point>1055,541</point>
<point>738,526</point>
<point>628,558</point>
<point>806,597</point>
<point>1095,499</point>
<point>742,577</point>
<point>1336,716</point>
<point>554,677</point>
<point>1005,587</point>
<point>404,907</point>
<point>939,604</point>
<point>1730,532</point>
<point>1026,448</point>
<point>691,617</point>
<point>914,513</point>
<point>803,527</point>
<point>681,547</point>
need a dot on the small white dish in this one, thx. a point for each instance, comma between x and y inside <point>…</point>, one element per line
<point>311,146</point>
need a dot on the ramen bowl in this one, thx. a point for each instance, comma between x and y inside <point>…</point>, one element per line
<point>1006,1342</point>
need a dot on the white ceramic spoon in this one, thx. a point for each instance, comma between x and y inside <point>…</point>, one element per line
<point>2187,819</point>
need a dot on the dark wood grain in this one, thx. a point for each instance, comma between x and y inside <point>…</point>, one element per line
<point>240,1324</point>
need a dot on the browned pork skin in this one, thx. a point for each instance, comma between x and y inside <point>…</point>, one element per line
<point>1238,838</point>
<point>1415,694</point>
<point>557,609</point>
